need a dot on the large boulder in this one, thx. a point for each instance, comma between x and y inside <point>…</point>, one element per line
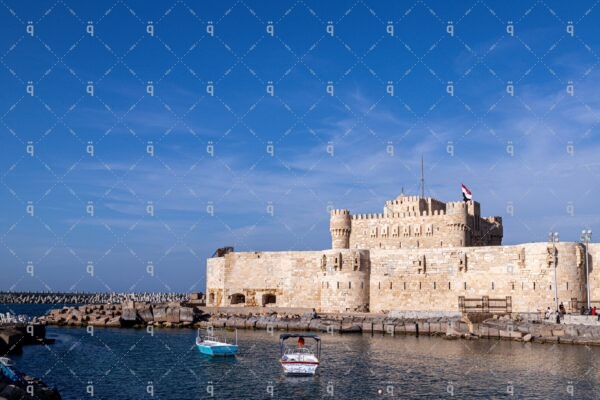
<point>186,314</point>
<point>145,314</point>
<point>159,313</point>
<point>173,315</point>
<point>129,315</point>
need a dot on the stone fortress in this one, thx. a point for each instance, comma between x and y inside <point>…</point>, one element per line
<point>421,254</point>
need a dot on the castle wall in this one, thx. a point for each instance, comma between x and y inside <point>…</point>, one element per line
<point>291,276</point>
<point>433,279</point>
<point>594,268</point>
<point>296,279</point>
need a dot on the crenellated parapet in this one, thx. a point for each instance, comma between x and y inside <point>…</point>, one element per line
<point>415,222</point>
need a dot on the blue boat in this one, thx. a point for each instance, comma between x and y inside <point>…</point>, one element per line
<point>212,346</point>
<point>8,369</point>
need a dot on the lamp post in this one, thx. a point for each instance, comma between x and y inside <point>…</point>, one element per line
<point>586,237</point>
<point>553,238</point>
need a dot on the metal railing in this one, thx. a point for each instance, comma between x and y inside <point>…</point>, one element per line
<point>485,304</point>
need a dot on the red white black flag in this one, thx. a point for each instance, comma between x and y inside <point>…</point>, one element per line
<point>466,193</point>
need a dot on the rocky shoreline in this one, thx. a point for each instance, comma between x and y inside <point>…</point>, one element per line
<point>451,326</point>
<point>12,338</point>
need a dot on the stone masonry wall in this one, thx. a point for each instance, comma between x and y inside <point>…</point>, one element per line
<point>433,279</point>
<point>403,279</point>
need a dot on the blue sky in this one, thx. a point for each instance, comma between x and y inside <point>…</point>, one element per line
<point>541,179</point>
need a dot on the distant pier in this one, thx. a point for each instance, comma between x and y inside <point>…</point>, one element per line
<point>91,298</point>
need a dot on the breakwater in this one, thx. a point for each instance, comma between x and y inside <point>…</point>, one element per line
<point>89,298</point>
<point>451,326</point>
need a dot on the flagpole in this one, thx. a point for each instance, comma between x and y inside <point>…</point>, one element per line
<point>422,179</point>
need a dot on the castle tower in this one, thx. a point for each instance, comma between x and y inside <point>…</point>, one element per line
<point>340,227</point>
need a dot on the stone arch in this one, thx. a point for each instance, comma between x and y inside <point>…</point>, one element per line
<point>269,298</point>
<point>238,298</point>
<point>211,298</point>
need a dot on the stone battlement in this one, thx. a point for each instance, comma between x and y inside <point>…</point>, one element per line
<point>412,221</point>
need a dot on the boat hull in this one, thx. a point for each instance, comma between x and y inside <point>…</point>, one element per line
<point>226,350</point>
<point>299,368</point>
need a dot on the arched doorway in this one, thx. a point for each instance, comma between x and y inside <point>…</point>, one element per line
<point>238,298</point>
<point>269,298</point>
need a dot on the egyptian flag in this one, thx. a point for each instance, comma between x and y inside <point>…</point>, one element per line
<point>466,193</point>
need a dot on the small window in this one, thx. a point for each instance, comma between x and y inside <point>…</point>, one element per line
<point>390,285</point>
<point>513,286</point>
<point>449,288</point>
<point>465,285</point>
<point>533,285</point>
<point>379,285</point>
<point>492,285</point>
<point>349,285</point>
<point>567,285</point>
<point>434,284</point>
<point>404,285</point>
<point>338,285</point>
<point>419,285</point>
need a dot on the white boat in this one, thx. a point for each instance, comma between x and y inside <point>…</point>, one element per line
<point>299,359</point>
<point>213,346</point>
